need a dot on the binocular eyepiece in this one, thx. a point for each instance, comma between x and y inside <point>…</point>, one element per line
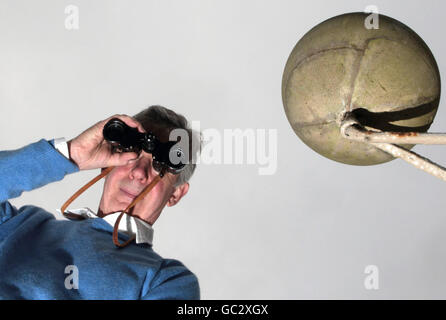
<point>123,138</point>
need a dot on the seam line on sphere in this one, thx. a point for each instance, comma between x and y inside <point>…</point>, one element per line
<point>312,124</point>
<point>321,52</point>
<point>357,68</point>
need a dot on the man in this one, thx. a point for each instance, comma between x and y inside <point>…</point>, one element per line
<point>45,258</point>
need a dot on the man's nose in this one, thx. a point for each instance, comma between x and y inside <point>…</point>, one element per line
<point>141,169</point>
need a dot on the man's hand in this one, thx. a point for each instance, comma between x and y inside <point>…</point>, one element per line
<point>89,150</point>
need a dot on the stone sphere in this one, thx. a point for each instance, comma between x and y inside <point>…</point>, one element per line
<point>386,77</point>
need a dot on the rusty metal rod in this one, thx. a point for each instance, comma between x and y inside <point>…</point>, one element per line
<point>351,129</point>
<point>414,159</point>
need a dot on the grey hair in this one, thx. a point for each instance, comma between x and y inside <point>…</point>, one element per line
<point>161,120</point>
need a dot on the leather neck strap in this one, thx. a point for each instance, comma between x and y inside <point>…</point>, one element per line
<point>128,210</point>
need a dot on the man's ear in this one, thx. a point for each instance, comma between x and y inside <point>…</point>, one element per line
<point>178,193</point>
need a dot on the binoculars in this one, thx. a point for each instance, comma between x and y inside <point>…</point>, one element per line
<point>123,138</point>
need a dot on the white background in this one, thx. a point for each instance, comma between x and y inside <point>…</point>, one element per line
<point>307,231</point>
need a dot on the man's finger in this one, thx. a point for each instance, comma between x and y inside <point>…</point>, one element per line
<point>131,122</point>
<point>122,159</point>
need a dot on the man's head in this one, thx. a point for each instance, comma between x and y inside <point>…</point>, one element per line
<point>124,183</point>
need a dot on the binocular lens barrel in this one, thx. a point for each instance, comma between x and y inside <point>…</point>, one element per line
<point>113,131</point>
<point>127,139</point>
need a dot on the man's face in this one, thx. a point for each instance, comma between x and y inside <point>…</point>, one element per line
<point>123,184</point>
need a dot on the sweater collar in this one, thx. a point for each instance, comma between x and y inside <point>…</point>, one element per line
<point>129,225</point>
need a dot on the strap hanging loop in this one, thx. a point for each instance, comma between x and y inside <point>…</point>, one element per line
<point>129,208</point>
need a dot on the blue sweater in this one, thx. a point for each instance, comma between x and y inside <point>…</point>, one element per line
<point>35,248</point>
